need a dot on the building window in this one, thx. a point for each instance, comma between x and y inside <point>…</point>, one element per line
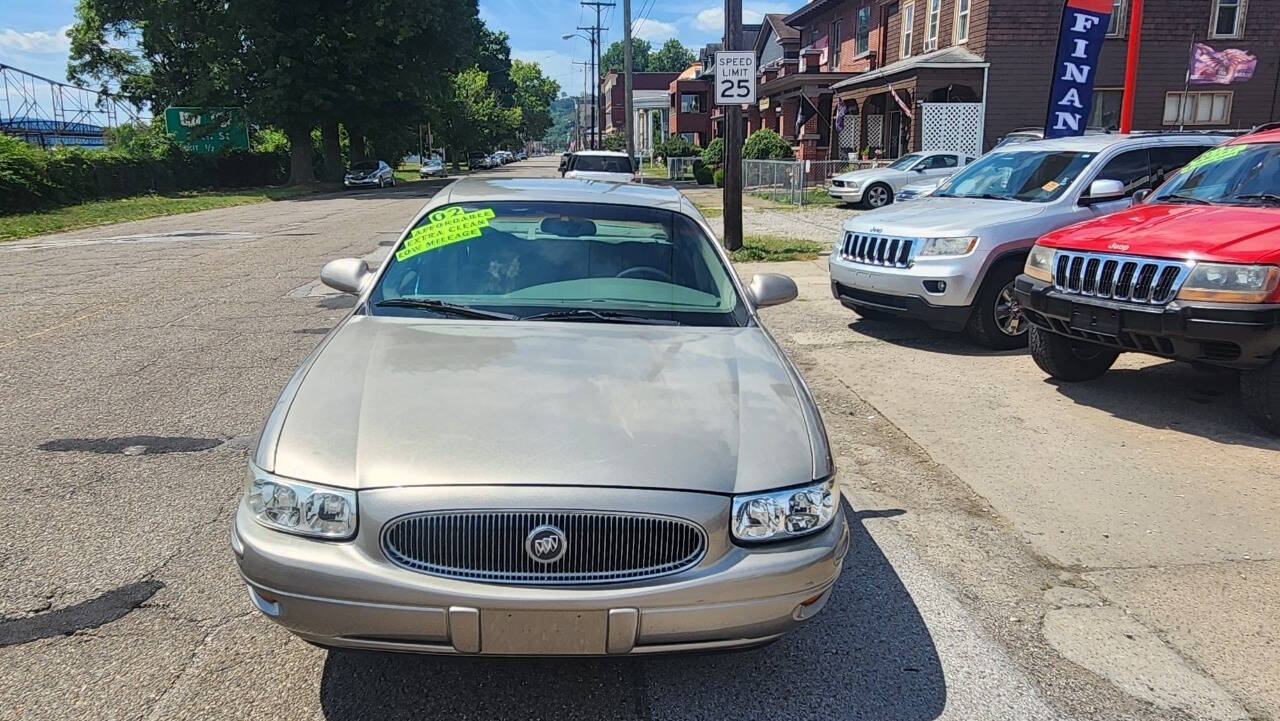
<point>908,28</point>
<point>1116,26</point>
<point>1106,108</point>
<point>1197,108</point>
<point>931,30</point>
<point>690,103</point>
<point>962,21</point>
<point>834,44</point>
<point>863,30</point>
<point>1227,19</point>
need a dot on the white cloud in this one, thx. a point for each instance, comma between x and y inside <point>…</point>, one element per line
<point>36,41</point>
<point>712,19</point>
<point>655,31</point>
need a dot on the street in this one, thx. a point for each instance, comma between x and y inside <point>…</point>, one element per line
<point>1021,550</point>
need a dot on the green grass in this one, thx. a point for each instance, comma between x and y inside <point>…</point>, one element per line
<point>710,211</point>
<point>775,249</point>
<point>140,207</point>
<point>814,196</point>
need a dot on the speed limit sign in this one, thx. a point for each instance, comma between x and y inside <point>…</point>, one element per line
<point>735,77</point>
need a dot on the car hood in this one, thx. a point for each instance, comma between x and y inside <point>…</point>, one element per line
<point>941,217</point>
<point>411,402</point>
<point>1225,233</point>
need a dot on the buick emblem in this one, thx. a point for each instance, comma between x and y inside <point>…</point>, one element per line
<point>545,544</point>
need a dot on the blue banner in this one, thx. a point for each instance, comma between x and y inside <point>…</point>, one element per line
<point>1084,27</point>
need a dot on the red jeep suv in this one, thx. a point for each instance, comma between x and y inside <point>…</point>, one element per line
<point>1191,273</point>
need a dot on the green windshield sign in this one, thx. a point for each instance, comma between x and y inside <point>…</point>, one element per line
<point>208,130</point>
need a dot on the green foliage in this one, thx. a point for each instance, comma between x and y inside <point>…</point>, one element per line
<point>719,177</point>
<point>34,179</point>
<point>714,153</point>
<point>765,144</point>
<point>675,146</point>
<point>702,173</point>
<point>269,140</point>
<point>140,139</point>
<point>615,57</point>
<point>614,141</point>
<point>563,121</point>
<point>534,93</point>
<point>772,248</point>
<point>672,57</point>
<point>474,119</point>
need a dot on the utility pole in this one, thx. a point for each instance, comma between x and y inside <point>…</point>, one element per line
<point>577,107</point>
<point>630,102</point>
<point>596,116</point>
<point>732,138</point>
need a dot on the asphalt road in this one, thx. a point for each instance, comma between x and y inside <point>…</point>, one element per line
<point>138,360</point>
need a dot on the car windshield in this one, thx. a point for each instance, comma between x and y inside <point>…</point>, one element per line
<point>365,166</point>
<point>1031,176</point>
<point>905,162</point>
<point>527,259</point>
<point>1232,174</point>
<point>601,164</point>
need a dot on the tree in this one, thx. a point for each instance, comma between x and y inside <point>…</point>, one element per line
<point>564,117</point>
<point>473,117</point>
<point>614,58</point>
<point>672,57</point>
<point>534,93</point>
<point>765,144</point>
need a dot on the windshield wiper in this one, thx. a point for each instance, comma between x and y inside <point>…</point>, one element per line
<point>1180,197</point>
<point>993,196</point>
<point>443,308</point>
<point>1264,197</point>
<point>599,316</point>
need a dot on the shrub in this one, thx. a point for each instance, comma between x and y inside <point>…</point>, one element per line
<point>614,141</point>
<point>675,146</point>
<point>714,154</point>
<point>765,144</point>
<point>719,177</point>
<point>702,172</point>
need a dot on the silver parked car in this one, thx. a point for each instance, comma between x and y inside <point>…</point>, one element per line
<point>875,187</point>
<point>553,424</point>
<point>369,173</point>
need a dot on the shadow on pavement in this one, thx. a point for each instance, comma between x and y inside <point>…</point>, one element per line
<point>916,335</point>
<point>868,655</point>
<point>1173,396</point>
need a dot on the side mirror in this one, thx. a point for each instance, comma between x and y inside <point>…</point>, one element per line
<point>772,289</point>
<point>1141,195</point>
<point>347,275</point>
<point>1102,191</point>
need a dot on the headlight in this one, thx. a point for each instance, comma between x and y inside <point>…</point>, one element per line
<point>306,509</point>
<point>1040,263</point>
<point>1228,283</point>
<point>947,246</point>
<point>779,515</point>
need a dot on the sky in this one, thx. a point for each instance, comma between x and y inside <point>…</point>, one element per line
<point>32,32</point>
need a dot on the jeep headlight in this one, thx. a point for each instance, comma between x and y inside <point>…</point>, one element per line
<point>947,246</point>
<point>306,509</point>
<point>1040,263</point>
<point>1230,283</point>
<point>778,515</point>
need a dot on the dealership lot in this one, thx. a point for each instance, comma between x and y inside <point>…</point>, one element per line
<point>1021,550</point>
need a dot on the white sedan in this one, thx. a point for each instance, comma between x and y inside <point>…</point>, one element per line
<point>875,187</point>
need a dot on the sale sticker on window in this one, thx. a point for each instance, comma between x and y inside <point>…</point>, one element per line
<point>1216,155</point>
<point>447,226</point>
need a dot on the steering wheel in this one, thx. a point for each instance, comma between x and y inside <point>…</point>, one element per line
<point>649,270</point>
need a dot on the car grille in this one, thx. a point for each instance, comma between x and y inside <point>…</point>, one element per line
<point>1118,277</point>
<point>877,250</point>
<point>600,547</point>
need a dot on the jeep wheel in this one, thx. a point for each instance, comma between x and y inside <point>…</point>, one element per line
<point>1260,394</point>
<point>1069,360</point>
<point>996,321</point>
<point>877,196</point>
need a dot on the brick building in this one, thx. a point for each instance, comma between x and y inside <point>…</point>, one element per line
<point>649,96</point>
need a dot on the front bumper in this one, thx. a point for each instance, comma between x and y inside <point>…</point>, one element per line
<point>903,291</point>
<point>349,595</point>
<point>852,195</point>
<point>359,183</point>
<point>1231,335</point>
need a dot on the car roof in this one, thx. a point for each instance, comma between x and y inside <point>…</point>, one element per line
<point>1271,135</point>
<point>605,153</point>
<point>1101,142</point>
<point>481,190</point>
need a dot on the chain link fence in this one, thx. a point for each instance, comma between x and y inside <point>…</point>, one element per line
<point>797,182</point>
<point>680,168</point>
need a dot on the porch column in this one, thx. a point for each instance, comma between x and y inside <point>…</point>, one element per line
<point>787,118</point>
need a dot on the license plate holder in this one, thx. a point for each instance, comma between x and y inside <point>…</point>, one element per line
<point>1102,321</point>
<point>543,632</point>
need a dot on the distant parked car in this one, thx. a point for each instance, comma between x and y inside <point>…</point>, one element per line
<point>479,161</point>
<point>875,187</point>
<point>369,173</point>
<point>522,155</point>
<point>564,163</point>
<point>432,167</point>
<point>601,165</point>
<point>919,189</point>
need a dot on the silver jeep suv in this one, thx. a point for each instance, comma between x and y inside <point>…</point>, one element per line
<point>951,259</point>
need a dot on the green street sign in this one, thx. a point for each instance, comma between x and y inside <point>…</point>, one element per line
<point>208,130</point>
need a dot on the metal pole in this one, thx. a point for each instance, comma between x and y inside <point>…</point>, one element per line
<point>1131,67</point>
<point>732,138</point>
<point>630,102</point>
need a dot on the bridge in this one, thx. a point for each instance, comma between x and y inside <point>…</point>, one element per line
<point>48,113</point>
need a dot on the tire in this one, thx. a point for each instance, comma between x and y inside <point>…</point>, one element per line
<point>877,196</point>
<point>1260,395</point>
<point>996,321</point>
<point>1069,360</point>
